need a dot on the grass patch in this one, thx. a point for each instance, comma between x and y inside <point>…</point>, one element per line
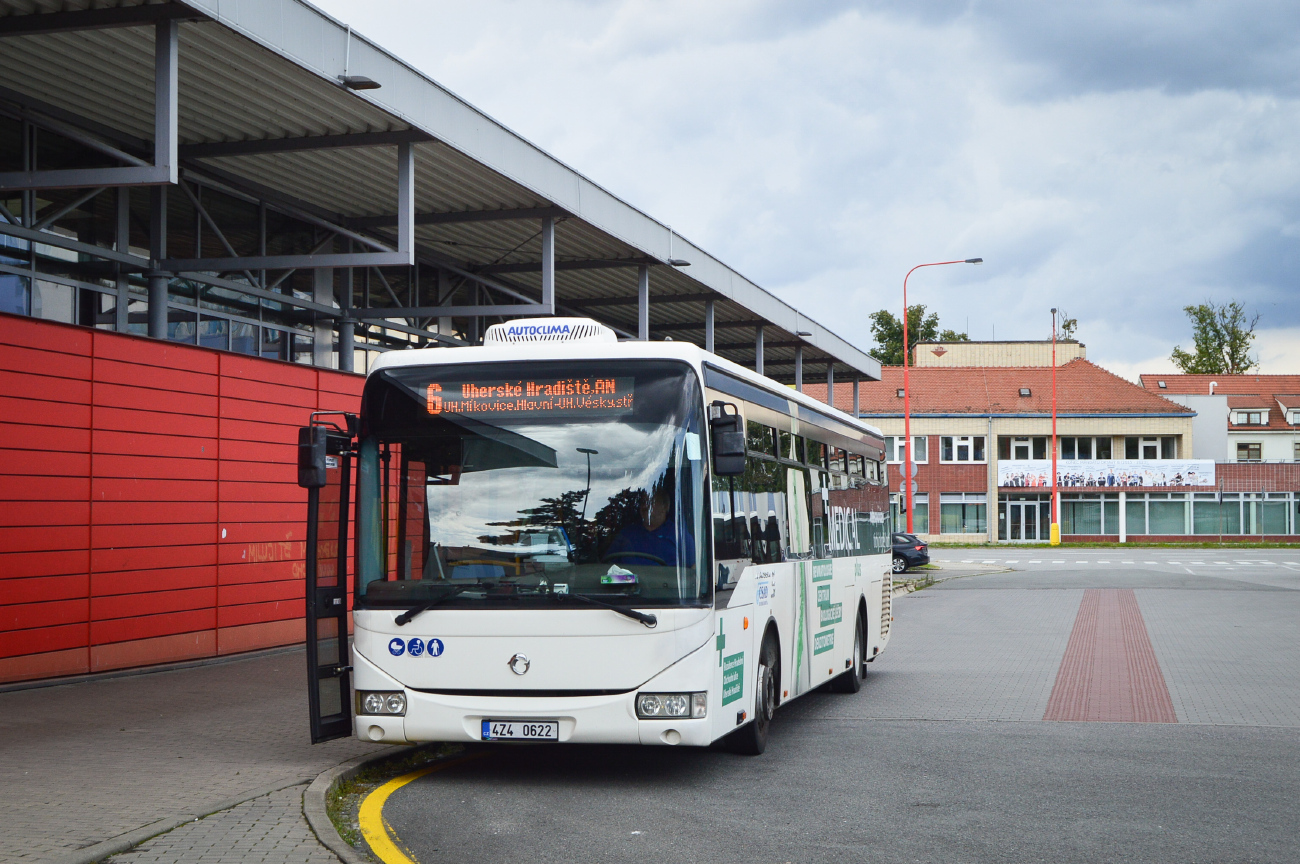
<point>343,799</point>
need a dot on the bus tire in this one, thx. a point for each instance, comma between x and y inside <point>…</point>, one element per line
<point>850,681</point>
<point>751,739</point>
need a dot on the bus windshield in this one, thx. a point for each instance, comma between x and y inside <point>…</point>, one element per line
<point>511,485</point>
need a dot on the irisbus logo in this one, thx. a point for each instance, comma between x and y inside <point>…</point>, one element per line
<point>539,330</point>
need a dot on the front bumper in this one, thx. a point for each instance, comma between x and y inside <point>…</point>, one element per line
<point>607,719</point>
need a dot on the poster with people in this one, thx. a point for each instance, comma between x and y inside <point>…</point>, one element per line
<point>1086,473</point>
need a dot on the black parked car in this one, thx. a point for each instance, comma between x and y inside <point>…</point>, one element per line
<point>909,551</point>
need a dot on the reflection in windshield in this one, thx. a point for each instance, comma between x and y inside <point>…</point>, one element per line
<point>523,502</point>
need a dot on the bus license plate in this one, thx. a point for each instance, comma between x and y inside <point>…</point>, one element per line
<point>521,730</point>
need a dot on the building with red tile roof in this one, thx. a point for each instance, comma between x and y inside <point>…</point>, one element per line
<point>1128,465</point>
<point>1260,414</point>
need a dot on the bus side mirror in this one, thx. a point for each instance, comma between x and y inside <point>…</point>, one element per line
<point>311,457</point>
<point>728,440</point>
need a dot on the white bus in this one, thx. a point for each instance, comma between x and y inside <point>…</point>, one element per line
<point>561,537</point>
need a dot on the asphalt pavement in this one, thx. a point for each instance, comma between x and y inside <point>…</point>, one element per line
<point>945,755</point>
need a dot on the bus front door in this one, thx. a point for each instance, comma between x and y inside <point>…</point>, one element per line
<point>325,468</point>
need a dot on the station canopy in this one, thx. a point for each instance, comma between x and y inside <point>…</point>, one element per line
<point>260,163</point>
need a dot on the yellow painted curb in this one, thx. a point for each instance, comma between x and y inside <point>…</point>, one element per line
<point>376,830</point>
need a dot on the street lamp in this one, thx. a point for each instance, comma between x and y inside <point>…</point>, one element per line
<point>1055,536</point>
<point>907,393</point>
<point>587,494</point>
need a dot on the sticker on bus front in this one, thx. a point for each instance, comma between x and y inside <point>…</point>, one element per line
<point>435,647</point>
<point>396,647</point>
<point>415,647</point>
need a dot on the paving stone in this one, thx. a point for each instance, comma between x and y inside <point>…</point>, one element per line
<point>86,762</point>
<point>266,829</point>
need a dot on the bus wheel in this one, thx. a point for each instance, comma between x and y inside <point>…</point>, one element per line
<point>751,739</point>
<point>850,681</point>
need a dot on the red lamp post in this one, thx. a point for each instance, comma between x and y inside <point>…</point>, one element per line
<point>1055,537</point>
<point>907,393</point>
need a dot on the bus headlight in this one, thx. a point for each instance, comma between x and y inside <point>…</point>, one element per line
<point>667,706</point>
<point>379,702</point>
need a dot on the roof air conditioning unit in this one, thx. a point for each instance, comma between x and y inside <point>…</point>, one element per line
<point>528,330</point>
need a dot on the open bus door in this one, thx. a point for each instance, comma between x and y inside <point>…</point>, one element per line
<point>325,471</point>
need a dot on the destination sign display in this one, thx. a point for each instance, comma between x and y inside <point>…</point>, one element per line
<point>585,396</point>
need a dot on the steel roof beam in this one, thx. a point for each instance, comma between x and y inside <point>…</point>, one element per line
<point>656,299</point>
<point>256,146</point>
<point>719,325</point>
<point>362,223</point>
<point>287,262</point>
<point>588,264</point>
<point>446,311</point>
<point>97,19</point>
<point>166,166</point>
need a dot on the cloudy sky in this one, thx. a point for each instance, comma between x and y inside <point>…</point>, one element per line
<point>1116,159</point>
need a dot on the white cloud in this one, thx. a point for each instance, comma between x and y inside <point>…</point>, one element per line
<point>1119,164</point>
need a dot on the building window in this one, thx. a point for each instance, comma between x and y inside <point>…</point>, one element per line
<point>896,452</point>
<point>1090,514</point>
<point>920,512</point>
<point>1022,447</point>
<point>1169,447</point>
<point>1295,450</point>
<point>963,513</point>
<point>968,448</point>
<point>1252,418</point>
<point>1150,448</point>
<point>1247,452</point>
<point>1073,447</point>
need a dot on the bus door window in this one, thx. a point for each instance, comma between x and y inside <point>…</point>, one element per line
<point>412,528</point>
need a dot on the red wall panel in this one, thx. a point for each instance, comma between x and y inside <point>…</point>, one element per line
<point>148,498</point>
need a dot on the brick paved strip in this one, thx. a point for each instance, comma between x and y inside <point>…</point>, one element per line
<point>1109,672</point>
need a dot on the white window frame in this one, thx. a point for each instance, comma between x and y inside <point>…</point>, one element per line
<point>894,449</point>
<point>1144,443</point>
<point>956,441</point>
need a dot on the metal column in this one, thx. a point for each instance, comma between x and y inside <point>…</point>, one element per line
<point>323,329</point>
<point>708,326</point>
<point>857,405</point>
<point>798,368</point>
<point>406,202</point>
<point>166,57</point>
<point>121,319</point>
<point>548,266</point>
<point>830,383</point>
<point>643,303</point>
<point>347,329</point>
<point>158,251</point>
<point>758,349</point>
<point>444,290</point>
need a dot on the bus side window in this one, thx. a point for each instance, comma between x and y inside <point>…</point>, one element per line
<point>818,515</point>
<point>730,522</point>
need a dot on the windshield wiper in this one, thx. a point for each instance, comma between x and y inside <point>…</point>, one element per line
<point>405,618</point>
<point>647,619</point>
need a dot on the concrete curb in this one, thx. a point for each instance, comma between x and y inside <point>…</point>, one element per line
<point>314,797</point>
<point>123,842</point>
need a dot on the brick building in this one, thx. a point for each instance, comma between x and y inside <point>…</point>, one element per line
<point>1127,463</point>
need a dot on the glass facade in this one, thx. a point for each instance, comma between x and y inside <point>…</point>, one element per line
<point>920,513</point>
<point>963,513</point>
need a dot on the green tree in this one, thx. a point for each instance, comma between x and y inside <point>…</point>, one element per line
<point>1067,326</point>
<point>1221,337</point>
<point>887,329</point>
